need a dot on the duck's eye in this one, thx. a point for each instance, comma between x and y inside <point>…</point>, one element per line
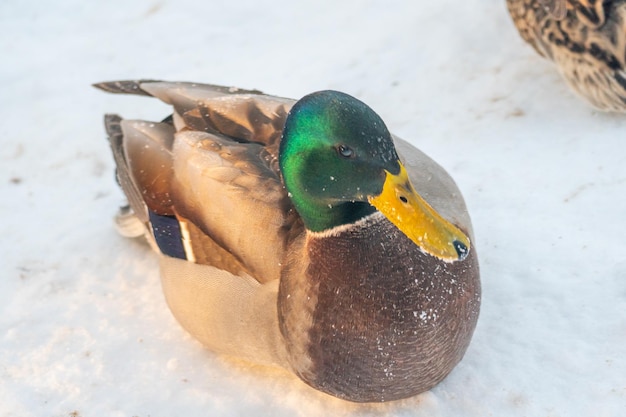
<point>345,151</point>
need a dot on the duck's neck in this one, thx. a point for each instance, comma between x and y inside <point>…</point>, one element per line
<point>319,216</point>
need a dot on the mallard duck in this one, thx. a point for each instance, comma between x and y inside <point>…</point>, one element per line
<point>587,41</point>
<point>302,235</point>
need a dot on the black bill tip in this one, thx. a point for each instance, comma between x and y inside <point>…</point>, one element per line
<point>461,249</point>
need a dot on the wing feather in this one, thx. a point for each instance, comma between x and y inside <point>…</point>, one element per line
<point>229,192</point>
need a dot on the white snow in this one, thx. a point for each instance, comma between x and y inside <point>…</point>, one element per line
<point>84,330</point>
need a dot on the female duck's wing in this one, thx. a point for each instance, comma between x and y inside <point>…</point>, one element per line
<point>585,38</point>
<point>589,46</point>
<point>206,182</point>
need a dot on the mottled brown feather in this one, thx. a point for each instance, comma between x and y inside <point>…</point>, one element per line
<point>587,43</point>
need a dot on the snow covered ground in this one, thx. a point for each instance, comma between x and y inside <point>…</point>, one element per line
<point>84,330</point>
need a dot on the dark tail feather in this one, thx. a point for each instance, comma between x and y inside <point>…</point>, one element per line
<point>124,87</point>
<point>114,131</point>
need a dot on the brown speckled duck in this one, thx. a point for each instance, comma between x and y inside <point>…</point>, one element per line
<point>587,41</point>
<point>301,234</point>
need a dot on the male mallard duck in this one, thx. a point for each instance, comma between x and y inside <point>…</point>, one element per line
<point>291,234</point>
<point>587,41</point>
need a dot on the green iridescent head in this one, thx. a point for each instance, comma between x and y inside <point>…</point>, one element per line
<point>339,164</point>
<point>333,155</point>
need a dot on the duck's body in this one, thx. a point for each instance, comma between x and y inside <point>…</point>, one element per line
<point>587,41</point>
<point>270,255</point>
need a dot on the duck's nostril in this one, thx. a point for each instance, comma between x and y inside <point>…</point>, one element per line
<point>461,249</point>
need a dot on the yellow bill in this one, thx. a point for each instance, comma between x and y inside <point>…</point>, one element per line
<point>410,213</point>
